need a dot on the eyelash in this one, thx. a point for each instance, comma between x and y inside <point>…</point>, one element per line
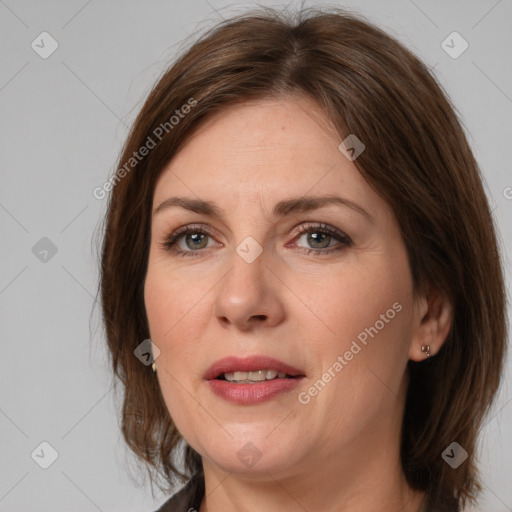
<point>170,242</point>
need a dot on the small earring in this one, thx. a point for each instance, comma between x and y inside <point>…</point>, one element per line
<point>153,365</point>
<point>426,348</point>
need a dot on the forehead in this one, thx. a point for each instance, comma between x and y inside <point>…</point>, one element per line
<point>263,149</point>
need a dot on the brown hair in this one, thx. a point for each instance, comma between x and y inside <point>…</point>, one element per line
<point>417,158</point>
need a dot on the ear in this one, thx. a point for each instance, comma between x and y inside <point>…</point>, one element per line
<point>432,323</point>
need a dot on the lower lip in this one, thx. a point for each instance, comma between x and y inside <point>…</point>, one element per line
<point>247,394</point>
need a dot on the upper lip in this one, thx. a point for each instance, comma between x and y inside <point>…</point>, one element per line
<point>248,364</point>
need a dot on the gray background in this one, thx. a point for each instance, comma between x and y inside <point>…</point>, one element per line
<point>63,122</point>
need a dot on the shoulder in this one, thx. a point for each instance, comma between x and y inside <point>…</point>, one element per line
<point>187,499</point>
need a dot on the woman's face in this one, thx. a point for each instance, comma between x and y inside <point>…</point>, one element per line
<point>326,290</point>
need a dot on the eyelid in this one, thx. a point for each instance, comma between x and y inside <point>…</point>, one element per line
<point>304,227</point>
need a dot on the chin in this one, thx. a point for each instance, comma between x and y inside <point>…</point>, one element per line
<point>254,452</point>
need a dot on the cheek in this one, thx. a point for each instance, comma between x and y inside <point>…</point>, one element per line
<point>181,405</point>
<point>168,302</point>
<point>365,313</point>
<point>158,301</point>
<point>177,314</point>
<point>358,296</point>
<point>173,322</point>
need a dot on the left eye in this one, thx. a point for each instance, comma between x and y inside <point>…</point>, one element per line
<point>320,237</point>
<point>317,239</point>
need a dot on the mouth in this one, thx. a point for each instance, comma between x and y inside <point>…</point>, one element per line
<point>252,380</point>
<point>254,377</point>
<point>251,370</point>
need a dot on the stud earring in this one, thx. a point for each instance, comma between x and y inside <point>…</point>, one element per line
<point>153,365</point>
<point>426,348</point>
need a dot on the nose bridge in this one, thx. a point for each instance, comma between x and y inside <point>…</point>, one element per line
<point>251,213</point>
<point>245,291</point>
<point>250,234</point>
<point>246,280</point>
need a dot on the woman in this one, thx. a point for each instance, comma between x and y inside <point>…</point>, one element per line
<point>301,287</point>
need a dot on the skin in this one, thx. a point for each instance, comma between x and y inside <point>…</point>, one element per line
<point>340,451</point>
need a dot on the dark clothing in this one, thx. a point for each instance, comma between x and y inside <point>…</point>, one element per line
<point>189,498</point>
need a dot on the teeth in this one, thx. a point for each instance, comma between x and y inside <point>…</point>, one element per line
<point>256,376</point>
<point>271,374</point>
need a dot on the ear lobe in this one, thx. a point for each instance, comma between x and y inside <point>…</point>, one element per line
<point>432,326</point>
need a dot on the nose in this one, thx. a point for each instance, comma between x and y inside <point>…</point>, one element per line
<point>249,295</point>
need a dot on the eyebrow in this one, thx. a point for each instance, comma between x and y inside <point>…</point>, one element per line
<point>281,209</point>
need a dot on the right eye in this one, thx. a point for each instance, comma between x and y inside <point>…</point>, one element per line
<point>195,239</point>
